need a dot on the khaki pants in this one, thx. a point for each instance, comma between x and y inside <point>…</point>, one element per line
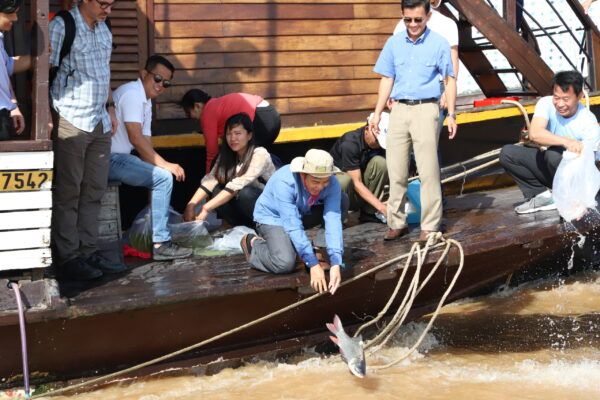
<point>375,178</point>
<point>415,125</point>
<point>81,162</point>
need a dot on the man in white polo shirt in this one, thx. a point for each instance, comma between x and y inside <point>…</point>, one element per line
<point>447,28</point>
<point>133,103</point>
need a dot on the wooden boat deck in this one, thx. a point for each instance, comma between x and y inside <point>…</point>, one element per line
<point>478,220</point>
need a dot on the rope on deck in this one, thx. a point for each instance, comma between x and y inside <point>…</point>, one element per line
<point>421,255</point>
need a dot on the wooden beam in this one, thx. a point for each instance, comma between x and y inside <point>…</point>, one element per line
<point>40,57</point>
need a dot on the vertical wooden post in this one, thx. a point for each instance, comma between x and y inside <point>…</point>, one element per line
<point>40,60</point>
<point>509,8</point>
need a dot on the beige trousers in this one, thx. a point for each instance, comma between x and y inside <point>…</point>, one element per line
<point>416,126</point>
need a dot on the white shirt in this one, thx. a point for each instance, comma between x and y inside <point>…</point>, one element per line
<point>131,106</point>
<point>438,23</point>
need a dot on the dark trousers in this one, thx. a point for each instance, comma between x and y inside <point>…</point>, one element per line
<point>7,129</point>
<point>266,125</point>
<point>533,169</point>
<point>276,253</point>
<point>240,209</point>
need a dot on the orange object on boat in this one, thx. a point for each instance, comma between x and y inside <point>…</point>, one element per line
<point>492,100</point>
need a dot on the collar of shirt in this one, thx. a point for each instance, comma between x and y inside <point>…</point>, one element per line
<point>420,39</point>
<point>142,90</point>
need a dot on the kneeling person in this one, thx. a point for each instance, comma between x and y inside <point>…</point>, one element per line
<point>361,155</point>
<point>560,122</point>
<point>133,102</point>
<point>299,196</point>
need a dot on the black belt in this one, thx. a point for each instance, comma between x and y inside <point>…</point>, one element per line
<point>415,102</point>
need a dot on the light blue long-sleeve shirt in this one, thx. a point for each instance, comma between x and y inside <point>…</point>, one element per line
<point>284,202</point>
<point>415,66</point>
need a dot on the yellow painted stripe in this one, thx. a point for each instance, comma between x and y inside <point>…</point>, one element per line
<point>288,135</point>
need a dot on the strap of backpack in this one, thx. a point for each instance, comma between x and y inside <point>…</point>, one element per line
<point>69,38</point>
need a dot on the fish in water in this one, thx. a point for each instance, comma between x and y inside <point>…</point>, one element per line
<point>351,349</point>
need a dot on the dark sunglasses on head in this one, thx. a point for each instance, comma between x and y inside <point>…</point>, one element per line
<point>104,4</point>
<point>158,79</point>
<point>418,20</point>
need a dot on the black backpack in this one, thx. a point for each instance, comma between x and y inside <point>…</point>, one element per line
<point>69,39</point>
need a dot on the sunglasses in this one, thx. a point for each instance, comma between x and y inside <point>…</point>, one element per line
<point>410,20</point>
<point>104,5</point>
<point>158,79</point>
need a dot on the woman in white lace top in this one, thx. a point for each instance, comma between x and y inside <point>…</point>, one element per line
<point>236,179</point>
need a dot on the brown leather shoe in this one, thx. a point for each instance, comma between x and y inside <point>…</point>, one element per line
<point>422,240</point>
<point>393,234</point>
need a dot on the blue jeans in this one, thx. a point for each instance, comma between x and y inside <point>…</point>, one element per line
<point>133,171</point>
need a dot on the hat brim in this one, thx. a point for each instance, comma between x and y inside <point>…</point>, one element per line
<point>297,166</point>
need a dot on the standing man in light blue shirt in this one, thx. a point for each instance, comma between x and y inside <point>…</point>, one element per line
<point>410,64</point>
<point>11,119</point>
<point>559,122</point>
<point>84,118</point>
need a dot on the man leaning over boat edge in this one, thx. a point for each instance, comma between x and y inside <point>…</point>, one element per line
<point>410,64</point>
<point>559,122</point>
<point>299,196</point>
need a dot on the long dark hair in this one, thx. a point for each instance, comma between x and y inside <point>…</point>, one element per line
<point>228,159</point>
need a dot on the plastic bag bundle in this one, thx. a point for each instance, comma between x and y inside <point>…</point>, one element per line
<point>230,242</point>
<point>576,184</point>
<point>193,234</point>
<point>140,232</point>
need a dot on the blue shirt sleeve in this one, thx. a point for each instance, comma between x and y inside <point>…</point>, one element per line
<point>292,222</point>
<point>445,66</point>
<point>385,62</point>
<point>332,216</point>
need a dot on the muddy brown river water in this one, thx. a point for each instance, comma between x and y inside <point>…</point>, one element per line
<point>540,340</point>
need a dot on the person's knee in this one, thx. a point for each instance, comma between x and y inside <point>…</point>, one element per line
<point>504,156</point>
<point>249,193</point>
<point>284,263</point>
<point>162,178</point>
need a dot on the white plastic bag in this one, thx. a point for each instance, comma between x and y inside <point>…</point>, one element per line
<point>576,184</point>
<point>193,234</point>
<point>231,239</point>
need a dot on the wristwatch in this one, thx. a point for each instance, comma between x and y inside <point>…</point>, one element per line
<point>109,104</point>
<point>452,115</point>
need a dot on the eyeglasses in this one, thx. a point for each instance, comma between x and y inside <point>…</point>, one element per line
<point>418,20</point>
<point>158,79</point>
<point>104,4</point>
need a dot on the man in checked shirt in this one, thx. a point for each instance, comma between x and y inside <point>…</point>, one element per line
<point>84,119</point>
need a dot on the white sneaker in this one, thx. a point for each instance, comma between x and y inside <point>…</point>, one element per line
<point>538,203</point>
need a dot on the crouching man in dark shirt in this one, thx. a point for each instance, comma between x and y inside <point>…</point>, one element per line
<point>361,155</point>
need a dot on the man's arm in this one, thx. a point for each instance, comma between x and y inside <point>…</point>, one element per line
<point>455,64</point>
<point>451,102</point>
<point>385,88</point>
<point>143,145</point>
<point>365,193</point>
<point>22,64</point>
<point>539,133</point>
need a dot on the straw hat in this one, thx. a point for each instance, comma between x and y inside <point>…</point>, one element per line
<point>384,122</point>
<point>317,163</point>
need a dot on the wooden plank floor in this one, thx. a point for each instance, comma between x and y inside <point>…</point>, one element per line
<point>478,219</point>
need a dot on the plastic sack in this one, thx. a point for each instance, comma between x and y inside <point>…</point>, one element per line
<point>212,222</point>
<point>231,239</point>
<point>140,232</point>
<point>192,235</point>
<point>576,184</point>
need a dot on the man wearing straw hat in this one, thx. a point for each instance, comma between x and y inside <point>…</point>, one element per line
<point>299,196</point>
